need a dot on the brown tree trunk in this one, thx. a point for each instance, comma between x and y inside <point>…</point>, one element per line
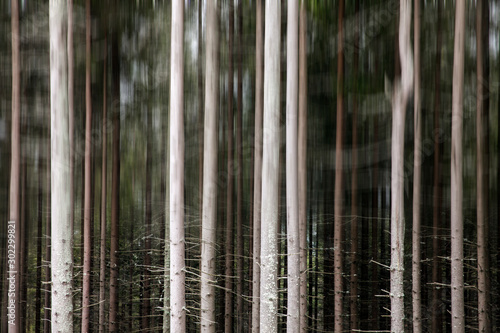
<point>457,268</point>
<point>228,321</point>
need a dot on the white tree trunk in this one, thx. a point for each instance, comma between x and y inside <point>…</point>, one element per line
<point>457,269</point>
<point>209,218</point>
<point>270,170</point>
<point>292,204</point>
<point>177,243</point>
<point>62,260</point>
<point>401,93</point>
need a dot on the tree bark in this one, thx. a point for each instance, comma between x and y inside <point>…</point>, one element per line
<point>209,217</point>
<point>88,164</point>
<point>61,238</point>
<point>457,269</point>
<point>417,178</point>
<point>270,170</point>
<point>177,243</point>
<point>259,100</point>
<point>400,98</point>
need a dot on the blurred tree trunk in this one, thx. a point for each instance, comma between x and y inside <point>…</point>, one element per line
<point>38,290</point>
<point>71,116</point>
<point>354,183</point>
<point>88,188</point>
<point>482,86</point>
<point>270,170</point>
<point>259,100</point>
<point>401,93</point>
<point>457,269</point>
<point>417,178</point>
<point>339,188</point>
<point>61,238</point>
<point>177,243</point>
<point>115,185</point>
<point>292,195</point>
<point>14,225</point>
<point>228,313</point>
<point>209,217</point>
<point>200,109</point>
<point>48,219</point>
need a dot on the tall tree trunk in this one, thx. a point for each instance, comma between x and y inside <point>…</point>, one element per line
<point>61,238</point>
<point>200,109</point>
<point>399,102</point>
<point>177,244</point>
<point>71,116</point>
<point>302,164</point>
<point>209,218</point>
<point>292,195</point>
<point>38,291</point>
<point>239,182</point>
<point>48,251</point>
<point>14,226</point>
<point>457,268</point>
<point>228,312</point>
<point>88,164</point>
<point>339,189</point>
<point>115,186</point>
<point>259,101</point>
<point>417,178</point>
<point>104,181</point>
<point>270,170</point>
<point>354,184</point>
<point>484,310</point>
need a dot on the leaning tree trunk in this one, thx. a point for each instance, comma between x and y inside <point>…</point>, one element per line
<point>14,225</point>
<point>259,100</point>
<point>457,225</point>
<point>176,142</point>
<point>399,101</point>
<point>270,170</point>
<point>417,176</point>
<point>61,238</point>
<point>292,203</point>
<point>209,217</point>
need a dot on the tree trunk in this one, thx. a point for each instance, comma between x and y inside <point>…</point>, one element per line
<point>399,103</point>
<point>239,181</point>
<point>457,268</point>
<point>61,238</point>
<point>302,164</point>
<point>104,181</point>
<point>484,310</point>
<point>177,243</point>
<point>38,291</point>
<point>209,217</point>
<point>228,312</point>
<point>270,170</point>
<point>71,116</point>
<point>417,179</point>
<point>259,100</point>
<point>88,164</point>
<point>200,109</point>
<point>13,226</point>
<point>292,197</point>
<point>339,189</point>
<point>115,186</point>
<point>48,251</point>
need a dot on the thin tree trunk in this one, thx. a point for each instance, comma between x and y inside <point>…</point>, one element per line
<point>200,109</point>
<point>239,181</point>
<point>177,244</point>
<point>400,98</point>
<point>115,186</point>
<point>302,164</point>
<point>270,170</point>
<point>354,185</point>
<point>417,179</point>
<point>228,312</point>
<point>292,195</point>
<point>259,100</point>
<point>48,251</point>
<point>71,116</point>
<point>209,218</point>
<point>38,292</point>
<point>14,226</point>
<point>61,238</point>
<point>104,181</point>
<point>339,189</point>
<point>23,230</point>
<point>484,310</point>
<point>88,187</point>
<point>457,268</point>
